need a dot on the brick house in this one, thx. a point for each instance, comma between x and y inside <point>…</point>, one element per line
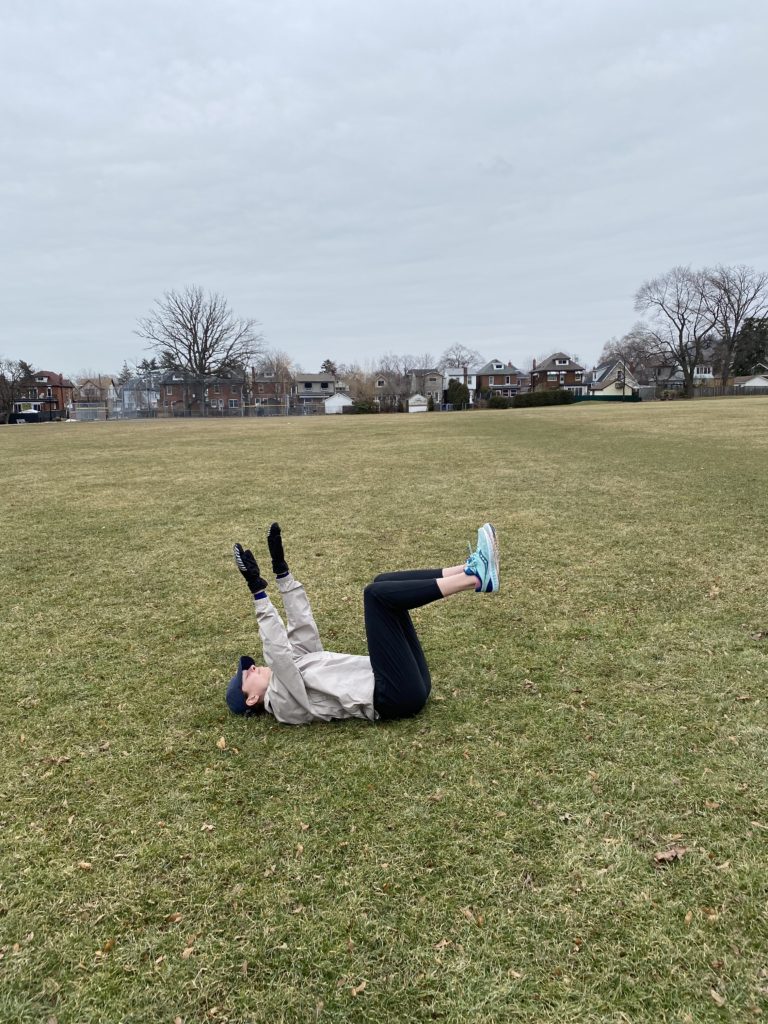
<point>45,392</point>
<point>559,371</point>
<point>498,378</point>
<point>270,389</point>
<point>181,393</point>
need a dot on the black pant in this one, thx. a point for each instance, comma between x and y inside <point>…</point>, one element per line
<point>401,677</point>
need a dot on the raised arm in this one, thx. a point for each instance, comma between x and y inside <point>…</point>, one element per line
<point>287,695</point>
<point>302,629</point>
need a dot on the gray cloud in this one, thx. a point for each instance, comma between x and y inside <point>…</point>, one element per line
<point>364,177</point>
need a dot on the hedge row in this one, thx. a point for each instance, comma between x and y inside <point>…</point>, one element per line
<point>558,397</point>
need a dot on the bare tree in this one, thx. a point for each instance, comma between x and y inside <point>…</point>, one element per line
<point>275,362</point>
<point>392,363</point>
<point>197,332</point>
<point>423,361</point>
<point>742,294</point>
<point>683,310</point>
<point>360,381</point>
<point>636,348</point>
<point>459,355</point>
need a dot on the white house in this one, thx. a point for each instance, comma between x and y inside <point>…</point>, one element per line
<point>417,403</point>
<point>612,380</point>
<point>457,373</point>
<point>337,403</point>
<point>757,381</point>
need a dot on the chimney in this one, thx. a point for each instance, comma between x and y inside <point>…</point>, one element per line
<point>534,364</point>
<point>464,368</point>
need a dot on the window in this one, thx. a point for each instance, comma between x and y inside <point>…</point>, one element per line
<point>703,371</point>
<point>491,381</point>
<point>577,375</point>
<point>551,376</point>
<point>507,379</point>
<point>562,378</point>
<point>169,392</point>
<point>307,385</point>
<point>216,389</point>
<point>324,385</point>
<point>498,366</point>
<point>260,388</point>
<point>561,362</point>
<point>380,383</point>
<point>233,403</point>
<point>49,392</point>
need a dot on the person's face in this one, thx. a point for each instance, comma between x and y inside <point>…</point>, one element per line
<point>255,682</point>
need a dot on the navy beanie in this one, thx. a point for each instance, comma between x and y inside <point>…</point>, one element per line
<point>235,695</point>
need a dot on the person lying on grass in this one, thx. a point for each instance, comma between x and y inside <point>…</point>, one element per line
<point>302,683</point>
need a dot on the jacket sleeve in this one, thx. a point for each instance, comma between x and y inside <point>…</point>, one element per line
<point>303,635</point>
<point>286,697</point>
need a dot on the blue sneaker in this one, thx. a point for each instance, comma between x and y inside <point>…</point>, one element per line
<point>483,562</point>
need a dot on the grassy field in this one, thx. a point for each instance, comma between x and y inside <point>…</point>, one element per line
<point>496,858</point>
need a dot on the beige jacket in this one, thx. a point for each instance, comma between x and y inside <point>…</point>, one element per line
<point>309,684</point>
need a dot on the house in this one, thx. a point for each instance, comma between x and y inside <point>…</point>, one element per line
<point>418,403</point>
<point>46,393</point>
<point>337,404</point>
<point>464,375</point>
<point>96,398</point>
<point>499,378</point>
<point>271,388</point>
<point>391,390</point>
<point>758,380</point>
<point>612,380</point>
<point>139,396</point>
<point>558,371</point>
<point>182,393</point>
<point>311,389</point>
<point>661,372</point>
<point>427,383</point>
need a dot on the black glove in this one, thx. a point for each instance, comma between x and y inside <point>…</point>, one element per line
<point>249,567</point>
<point>275,545</point>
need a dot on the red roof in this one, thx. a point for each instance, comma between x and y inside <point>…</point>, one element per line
<point>55,379</point>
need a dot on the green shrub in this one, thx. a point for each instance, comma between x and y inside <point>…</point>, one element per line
<point>499,402</point>
<point>457,394</point>
<point>553,397</point>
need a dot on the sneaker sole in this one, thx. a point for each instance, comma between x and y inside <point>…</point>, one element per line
<point>488,534</point>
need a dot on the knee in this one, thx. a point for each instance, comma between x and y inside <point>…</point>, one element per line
<point>415,705</point>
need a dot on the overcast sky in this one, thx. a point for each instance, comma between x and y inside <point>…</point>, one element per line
<point>364,176</point>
